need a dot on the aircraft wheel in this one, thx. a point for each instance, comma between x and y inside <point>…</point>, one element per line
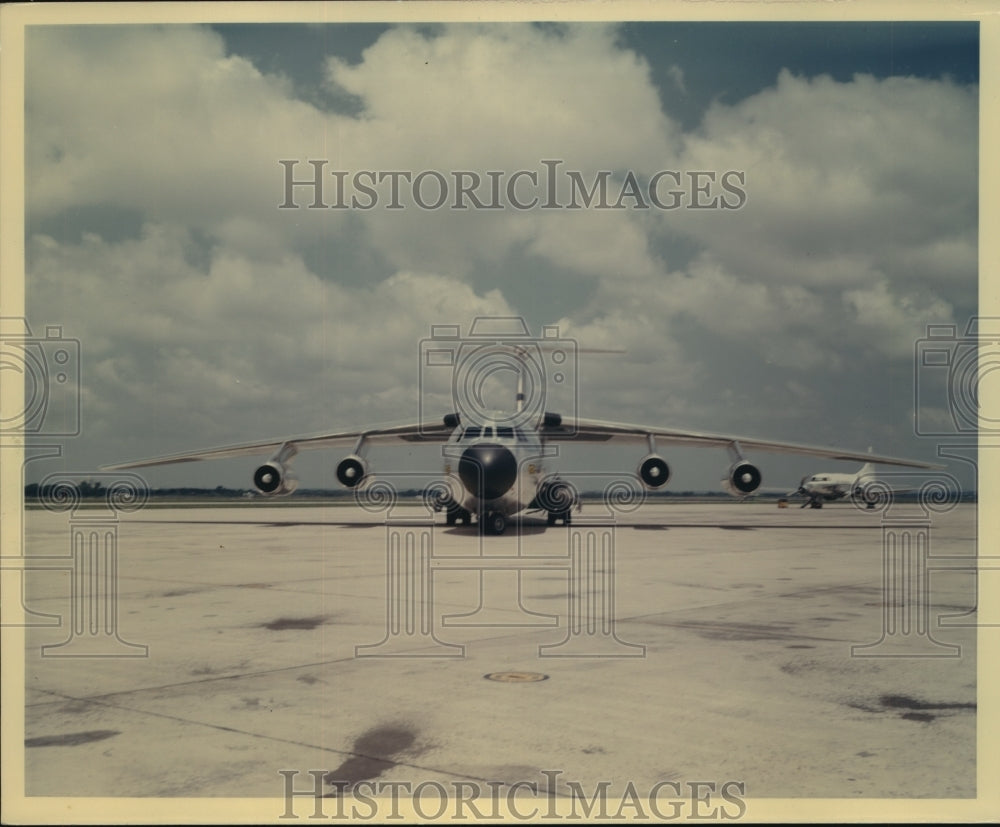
<point>496,523</point>
<point>566,518</point>
<point>816,504</point>
<point>551,518</point>
<point>458,515</point>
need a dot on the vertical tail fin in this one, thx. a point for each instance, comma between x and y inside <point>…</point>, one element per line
<point>867,470</point>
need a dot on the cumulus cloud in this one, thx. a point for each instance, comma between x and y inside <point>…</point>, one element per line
<point>834,170</point>
<point>221,315</point>
<point>507,98</point>
<point>158,119</point>
<point>247,344</point>
<point>850,224</point>
<point>109,111</point>
<point>503,93</point>
<point>676,75</point>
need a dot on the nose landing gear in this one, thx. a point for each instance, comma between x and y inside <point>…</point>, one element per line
<point>492,523</point>
<point>553,516</point>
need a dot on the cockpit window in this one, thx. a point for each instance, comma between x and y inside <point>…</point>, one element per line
<point>473,431</point>
<point>505,432</point>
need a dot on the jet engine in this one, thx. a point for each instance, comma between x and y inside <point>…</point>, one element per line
<point>741,479</point>
<point>654,471</point>
<point>274,479</point>
<point>351,470</point>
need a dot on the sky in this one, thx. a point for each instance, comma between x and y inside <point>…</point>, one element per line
<point>815,210</point>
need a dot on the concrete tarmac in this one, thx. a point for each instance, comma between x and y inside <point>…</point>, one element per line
<point>681,642</point>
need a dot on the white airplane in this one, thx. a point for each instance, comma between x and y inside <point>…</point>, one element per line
<point>496,469</point>
<point>828,486</point>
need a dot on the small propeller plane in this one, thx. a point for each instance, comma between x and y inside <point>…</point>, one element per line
<point>495,462</point>
<point>829,486</point>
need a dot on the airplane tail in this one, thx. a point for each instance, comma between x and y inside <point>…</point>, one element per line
<point>867,470</point>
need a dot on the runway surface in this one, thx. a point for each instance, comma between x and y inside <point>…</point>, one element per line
<point>691,643</point>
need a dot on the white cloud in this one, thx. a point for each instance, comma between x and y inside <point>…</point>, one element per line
<point>229,318</point>
<point>504,94</point>
<point>507,98</point>
<point>161,120</point>
<point>892,322</point>
<point>875,167</point>
<point>861,193</point>
<point>157,119</point>
<point>256,344</point>
<point>676,75</point>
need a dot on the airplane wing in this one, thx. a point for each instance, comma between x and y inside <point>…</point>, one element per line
<point>580,430</point>
<point>376,435</point>
<point>882,482</point>
<point>596,431</point>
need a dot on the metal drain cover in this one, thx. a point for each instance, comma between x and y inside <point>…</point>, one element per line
<point>516,677</point>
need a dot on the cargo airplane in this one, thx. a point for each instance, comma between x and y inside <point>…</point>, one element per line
<point>495,463</point>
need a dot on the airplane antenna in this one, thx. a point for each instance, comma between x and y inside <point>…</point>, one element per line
<point>523,354</point>
<point>519,398</point>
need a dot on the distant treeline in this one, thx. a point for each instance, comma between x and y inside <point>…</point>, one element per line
<point>94,490</point>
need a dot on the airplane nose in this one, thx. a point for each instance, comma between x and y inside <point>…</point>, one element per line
<point>487,471</point>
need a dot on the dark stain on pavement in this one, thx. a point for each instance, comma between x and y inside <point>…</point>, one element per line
<point>373,753</point>
<point>923,717</point>
<point>921,710</point>
<point>71,739</point>
<point>915,710</point>
<point>906,702</point>
<point>283,623</point>
<point>716,630</point>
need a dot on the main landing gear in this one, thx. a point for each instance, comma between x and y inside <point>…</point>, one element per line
<point>458,515</point>
<point>554,516</point>
<point>491,522</point>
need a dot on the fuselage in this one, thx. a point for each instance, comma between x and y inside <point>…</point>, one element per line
<point>835,486</point>
<point>830,486</point>
<point>498,467</point>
